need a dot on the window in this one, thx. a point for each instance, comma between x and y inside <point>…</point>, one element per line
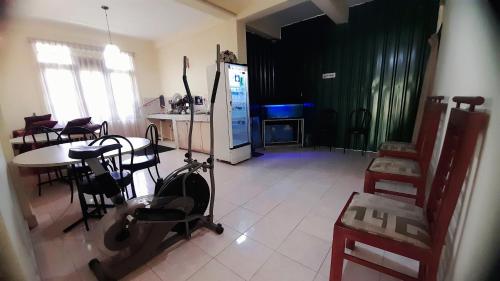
<point>83,81</point>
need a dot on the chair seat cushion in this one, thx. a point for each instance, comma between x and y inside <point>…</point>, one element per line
<point>92,127</point>
<point>398,166</point>
<point>95,189</point>
<point>122,181</point>
<point>398,146</point>
<point>388,218</point>
<point>141,162</point>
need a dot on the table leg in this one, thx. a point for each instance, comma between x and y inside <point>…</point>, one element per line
<point>303,132</point>
<point>92,215</point>
<point>264,134</point>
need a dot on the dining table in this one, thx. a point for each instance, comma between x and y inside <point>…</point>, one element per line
<point>57,155</point>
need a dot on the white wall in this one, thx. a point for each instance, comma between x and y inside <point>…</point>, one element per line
<point>21,91</point>
<point>199,47</point>
<point>17,260</point>
<point>469,64</point>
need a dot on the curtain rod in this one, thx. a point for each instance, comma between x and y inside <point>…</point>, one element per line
<point>73,44</point>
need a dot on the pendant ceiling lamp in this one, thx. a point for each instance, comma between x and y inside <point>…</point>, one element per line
<point>110,49</point>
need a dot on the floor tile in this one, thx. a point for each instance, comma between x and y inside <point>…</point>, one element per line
<point>86,251</point>
<point>222,207</point>
<point>305,249</point>
<point>321,227</point>
<point>144,273</point>
<point>261,204</point>
<point>320,277</point>
<point>385,277</point>
<point>401,264</point>
<point>213,243</point>
<point>270,231</point>
<point>324,270</point>
<point>279,268</point>
<point>240,219</point>
<point>242,193</point>
<point>180,263</point>
<point>285,209</point>
<point>52,259</point>
<point>215,271</point>
<point>356,272</point>
<point>244,256</point>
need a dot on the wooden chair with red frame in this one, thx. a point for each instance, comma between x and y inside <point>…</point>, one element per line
<point>406,229</point>
<point>412,170</point>
<point>407,149</point>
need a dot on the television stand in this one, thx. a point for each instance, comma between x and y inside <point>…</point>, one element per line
<point>297,124</point>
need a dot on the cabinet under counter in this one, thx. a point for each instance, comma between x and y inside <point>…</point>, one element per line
<point>174,128</point>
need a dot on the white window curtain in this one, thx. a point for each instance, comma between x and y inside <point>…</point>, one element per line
<point>80,81</point>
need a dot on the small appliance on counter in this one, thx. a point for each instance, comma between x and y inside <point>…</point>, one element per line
<point>200,105</point>
<point>180,104</point>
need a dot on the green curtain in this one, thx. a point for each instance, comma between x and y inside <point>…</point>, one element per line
<point>378,57</point>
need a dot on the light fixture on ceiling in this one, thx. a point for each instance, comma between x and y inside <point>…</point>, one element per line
<point>110,49</point>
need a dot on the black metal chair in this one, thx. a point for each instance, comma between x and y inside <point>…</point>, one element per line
<point>151,156</point>
<point>42,137</point>
<point>79,133</point>
<point>359,125</point>
<point>118,169</point>
<point>326,126</point>
<point>85,185</point>
<point>104,129</point>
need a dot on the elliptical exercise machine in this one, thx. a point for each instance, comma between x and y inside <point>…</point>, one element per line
<point>137,230</point>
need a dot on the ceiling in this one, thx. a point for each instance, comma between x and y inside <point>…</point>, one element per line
<point>270,25</point>
<point>235,6</point>
<point>148,19</point>
<point>157,19</point>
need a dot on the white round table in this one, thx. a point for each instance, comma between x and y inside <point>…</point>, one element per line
<point>41,138</point>
<point>57,155</point>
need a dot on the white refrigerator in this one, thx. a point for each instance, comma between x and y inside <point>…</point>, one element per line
<point>231,113</point>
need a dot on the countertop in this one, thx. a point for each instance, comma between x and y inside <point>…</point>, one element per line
<point>180,117</point>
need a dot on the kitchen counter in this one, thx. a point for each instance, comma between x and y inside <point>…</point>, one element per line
<point>180,117</point>
<point>174,129</point>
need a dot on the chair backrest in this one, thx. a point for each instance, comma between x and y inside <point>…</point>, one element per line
<point>462,134</point>
<point>429,116</point>
<point>104,129</point>
<point>79,133</point>
<point>42,137</point>
<point>360,119</point>
<point>32,121</point>
<point>153,136</point>
<point>126,144</point>
<point>428,132</point>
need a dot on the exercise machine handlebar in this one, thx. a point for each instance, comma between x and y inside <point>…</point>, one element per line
<point>217,75</point>
<point>191,109</point>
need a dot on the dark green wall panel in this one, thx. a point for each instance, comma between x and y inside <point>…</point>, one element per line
<point>262,57</point>
<point>379,59</point>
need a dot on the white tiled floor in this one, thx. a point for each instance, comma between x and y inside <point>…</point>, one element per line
<point>278,212</point>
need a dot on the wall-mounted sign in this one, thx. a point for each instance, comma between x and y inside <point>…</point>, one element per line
<point>330,75</point>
